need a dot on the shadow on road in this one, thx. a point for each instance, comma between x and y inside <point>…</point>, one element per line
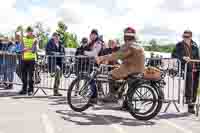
<point>116,107</point>
<point>8,94</point>
<point>172,116</point>
<point>97,119</point>
<point>100,119</point>
<point>58,101</point>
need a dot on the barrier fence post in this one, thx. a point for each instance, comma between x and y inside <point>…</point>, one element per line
<point>185,76</point>
<point>172,95</point>
<point>193,69</point>
<point>173,79</point>
<point>179,81</point>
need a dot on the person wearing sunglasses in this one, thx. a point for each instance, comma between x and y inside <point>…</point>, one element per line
<point>185,50</point>
<point>132,57</point>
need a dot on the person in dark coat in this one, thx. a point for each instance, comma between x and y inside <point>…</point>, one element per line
<point>83,47</point>
<point>184,51</point>
<point>55,64</point>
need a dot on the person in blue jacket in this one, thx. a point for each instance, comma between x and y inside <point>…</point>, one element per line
<point>10,64</point>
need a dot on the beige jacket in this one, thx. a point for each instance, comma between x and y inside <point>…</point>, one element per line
<point>133,61</point>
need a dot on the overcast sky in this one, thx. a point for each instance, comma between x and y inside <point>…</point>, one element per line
<point>161,19</point>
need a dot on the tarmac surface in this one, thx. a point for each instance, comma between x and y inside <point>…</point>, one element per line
<point>53,115</point>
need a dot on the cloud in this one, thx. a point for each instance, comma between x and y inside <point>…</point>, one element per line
<point>157,31</point>
<point>173,5</point>
<point>161,18</point>
<point>55,3</point>
<point>180,5</point>
<point>10,17</point>
<point>110,6</point>
<point>69,16</point>
<point>7,4</point>
<point>70,12</point>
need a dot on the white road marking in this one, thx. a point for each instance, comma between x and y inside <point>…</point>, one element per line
<point>182,129</point>
<point>47,124</point>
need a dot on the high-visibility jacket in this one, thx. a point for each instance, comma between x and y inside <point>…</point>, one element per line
<point>28,43</point>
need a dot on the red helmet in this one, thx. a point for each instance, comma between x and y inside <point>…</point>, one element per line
<point>129,31</point>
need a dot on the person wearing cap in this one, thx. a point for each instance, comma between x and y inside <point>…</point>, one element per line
<point>55,64</point>
<point>132,56</point>
<point>28,61</point>
<point>93,49</point>
<point>84,41</point>
<point>83,47</point>
<point>95,44</point>
<point>185,50</point>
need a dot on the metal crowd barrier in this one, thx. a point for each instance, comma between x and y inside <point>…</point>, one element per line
<point>48,66</point>
<point>195,64</point>
<point>172,69</point>
<point>44,74</point>
<point>8,65</point>
<point>45,70</point>
<point>71,66</point>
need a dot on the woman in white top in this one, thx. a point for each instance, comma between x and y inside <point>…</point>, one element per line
<point>93,50</point>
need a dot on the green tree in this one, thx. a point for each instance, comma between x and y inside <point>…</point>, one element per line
<point>19,28</point>
<point>72,41</point>
<point>1,35</point>
<point>154,45</point>
<point>41,34</point>
<point>69,40</point>
<point>160,48</point>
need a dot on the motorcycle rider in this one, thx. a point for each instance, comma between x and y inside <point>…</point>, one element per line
<point>132,56</point>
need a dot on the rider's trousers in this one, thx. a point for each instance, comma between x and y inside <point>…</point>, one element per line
<point>94,89</point>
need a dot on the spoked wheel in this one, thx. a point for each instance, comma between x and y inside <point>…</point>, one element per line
<point>79,94</point>
<point>144,102</point>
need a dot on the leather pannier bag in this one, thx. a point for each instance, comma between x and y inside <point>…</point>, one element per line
<point>152,73</point>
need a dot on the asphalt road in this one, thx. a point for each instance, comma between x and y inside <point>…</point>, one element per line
<point>52,115</point>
